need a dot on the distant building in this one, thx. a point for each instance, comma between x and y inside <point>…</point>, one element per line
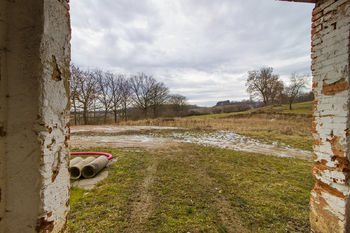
<point>222,103</point>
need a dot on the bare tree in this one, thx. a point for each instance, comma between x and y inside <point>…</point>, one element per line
<point>143,88</point>
<point>178,103</point>
<point>125,94</point>
<point>104,91</point>
<point>86,92</point>
<point>76,74</point>
<point>297,84</point>
<point>114,82</point>
<point>262,83</point>
<point>160,95</point>
<point>276,89</point>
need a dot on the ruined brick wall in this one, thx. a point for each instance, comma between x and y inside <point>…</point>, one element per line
<point>330,68</point>
<point>34,115</point>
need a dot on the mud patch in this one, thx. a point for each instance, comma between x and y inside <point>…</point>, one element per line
<point>142,200</point>
<point>222,139</point>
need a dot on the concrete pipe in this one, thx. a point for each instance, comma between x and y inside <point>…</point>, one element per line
<point>75,161</point>
<point>94,167</point>
<point>75,171</point>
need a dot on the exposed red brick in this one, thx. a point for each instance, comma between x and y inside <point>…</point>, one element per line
<point>318,28</point>
<point>316,16</point>
<point>324,162</point>
<point>329,189</point>
<point>327,216</point>
<point>329,115</point>
<point>317,10</point>
<point>333,19</point>
<point>321,202</point>
<point>318,142</point>
<point>49,128</point>
<point>336,147</point>
<point>316,22</point>
<point>343,163</point>
<point>315,36</point>
<point>335,88</point>
<point>44,226</point>
<point>49,214</point>
<point>338,152</point>
<point>342,8</point>
<point>315,171</point>
<point>314,107</point>
<point>317,190</point>
<point>320,167</point>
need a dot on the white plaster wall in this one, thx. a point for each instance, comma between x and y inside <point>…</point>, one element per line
<point>34,113</point>
<point>330,67</point>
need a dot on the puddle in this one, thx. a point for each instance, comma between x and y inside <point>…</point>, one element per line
<point>221,139</point>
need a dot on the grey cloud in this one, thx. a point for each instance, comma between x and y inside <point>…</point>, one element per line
<point>171,39</point>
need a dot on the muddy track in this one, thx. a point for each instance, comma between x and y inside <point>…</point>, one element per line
<point>142,199</point>
<point>225,212</point>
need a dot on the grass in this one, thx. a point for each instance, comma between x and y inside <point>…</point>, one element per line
<point>190,188</point>
<point>290,129</point>
<point>298,108</point>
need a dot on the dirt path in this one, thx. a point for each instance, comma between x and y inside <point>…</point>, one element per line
<point>142,200</point>
<point>223,206</point>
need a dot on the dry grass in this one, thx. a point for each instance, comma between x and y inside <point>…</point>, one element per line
<point>293,130</point>
<point>299,125</point>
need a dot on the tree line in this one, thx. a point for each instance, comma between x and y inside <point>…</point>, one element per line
<point>268,87</point>
<point>95,91</point>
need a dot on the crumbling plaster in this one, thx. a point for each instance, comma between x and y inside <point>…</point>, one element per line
<point>34,115</point>
<point>330,68</point>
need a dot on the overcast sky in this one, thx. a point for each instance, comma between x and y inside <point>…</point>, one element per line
<point>201,49</point>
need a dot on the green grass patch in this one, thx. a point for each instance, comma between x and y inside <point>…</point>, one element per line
<point>196,189</point>
<point>107,207</point>
<point>298,108</point>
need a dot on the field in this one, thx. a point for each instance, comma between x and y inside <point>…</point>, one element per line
<point>186,187</point>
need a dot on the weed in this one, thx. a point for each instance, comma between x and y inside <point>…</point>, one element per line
<point>222,229</point>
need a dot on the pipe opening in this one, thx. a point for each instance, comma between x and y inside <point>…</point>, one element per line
<point>88,171</point>
<point>75,173</point>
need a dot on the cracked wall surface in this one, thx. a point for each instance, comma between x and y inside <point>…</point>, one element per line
<point>34,115</point>
<point>330,68</point>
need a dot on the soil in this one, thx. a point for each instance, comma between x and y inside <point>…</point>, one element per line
<point>142,200</point>
<point>223,139</point>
